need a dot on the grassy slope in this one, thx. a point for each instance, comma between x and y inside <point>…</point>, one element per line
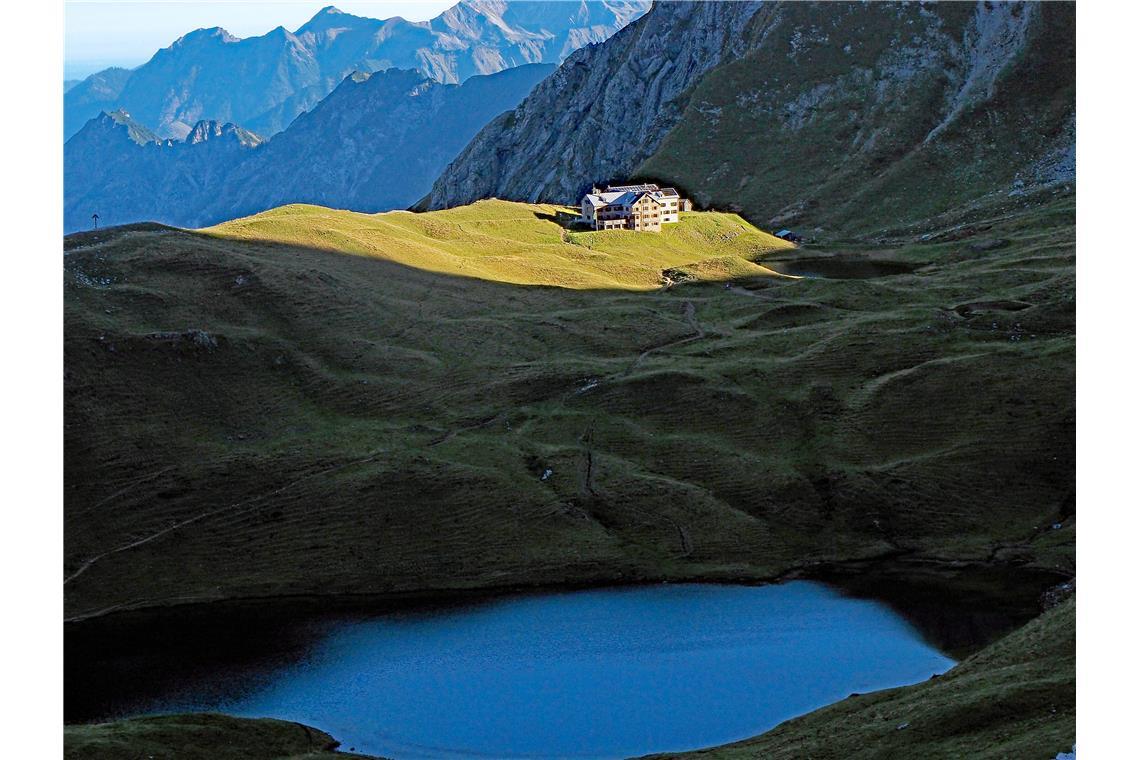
<point>355,425</point>
<point>355,408</point>
<point>1014,699</point>
<point>199,737</point>
<point>514,242</point>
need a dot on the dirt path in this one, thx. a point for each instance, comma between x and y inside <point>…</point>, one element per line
<point>128,487</point>
<point>586,465</point>
<point>682,531</point>
<point>586,470</point>
<point>463,429</point>
<point>743,291</point>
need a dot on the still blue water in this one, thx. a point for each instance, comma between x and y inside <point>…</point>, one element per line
<point>590,674</point>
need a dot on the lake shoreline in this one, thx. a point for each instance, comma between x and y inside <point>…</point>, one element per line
<point>898,566</point>
<point>600,673</point>
<point>957,607</point>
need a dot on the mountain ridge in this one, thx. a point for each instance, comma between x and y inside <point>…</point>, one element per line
<point>375,143</point>
<point>263,82</point>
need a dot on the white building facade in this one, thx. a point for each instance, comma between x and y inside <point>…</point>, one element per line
<point>633,207</point>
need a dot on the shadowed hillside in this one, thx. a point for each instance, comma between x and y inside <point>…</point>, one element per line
<point>256,417</point>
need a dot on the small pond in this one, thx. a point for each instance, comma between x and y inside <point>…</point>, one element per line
<point>586,674</point>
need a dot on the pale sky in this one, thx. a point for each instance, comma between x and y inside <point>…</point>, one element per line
<point>102,33</point>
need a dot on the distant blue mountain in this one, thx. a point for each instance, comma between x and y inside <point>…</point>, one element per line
<point>376,143</point>
<point>96,93</point>
<point>264,82</point>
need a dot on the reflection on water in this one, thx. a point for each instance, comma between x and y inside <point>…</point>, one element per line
<point>604,673</point>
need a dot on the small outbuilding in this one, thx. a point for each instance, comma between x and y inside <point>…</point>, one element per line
<point>790,236</point>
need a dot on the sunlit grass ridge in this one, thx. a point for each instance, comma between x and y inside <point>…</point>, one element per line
<point>521,243</point>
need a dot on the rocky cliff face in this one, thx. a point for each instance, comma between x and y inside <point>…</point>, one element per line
<point>602,113</point>
<point>850,115</point>
<point>500,34</point>
<point>857,118</point>
<point>376,143</point>
<point>264,82</point>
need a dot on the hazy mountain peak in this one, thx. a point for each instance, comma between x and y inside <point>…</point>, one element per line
<point>206,34</point>
<point>119,116</point>
<point>210,129</point>
<point>375,143</point>
<point>392,80</point>
<point>329,17</point>
<point>267,81</point>
<point>120,119</point>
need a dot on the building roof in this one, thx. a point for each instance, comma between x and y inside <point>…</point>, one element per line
<point>632,188</point>
<point>623,196</point>
<point>604,199</point>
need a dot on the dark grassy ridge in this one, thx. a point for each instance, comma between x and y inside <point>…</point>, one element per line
<point>251,419</point>
<point>1015,699</point>
<point>199,737</point>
